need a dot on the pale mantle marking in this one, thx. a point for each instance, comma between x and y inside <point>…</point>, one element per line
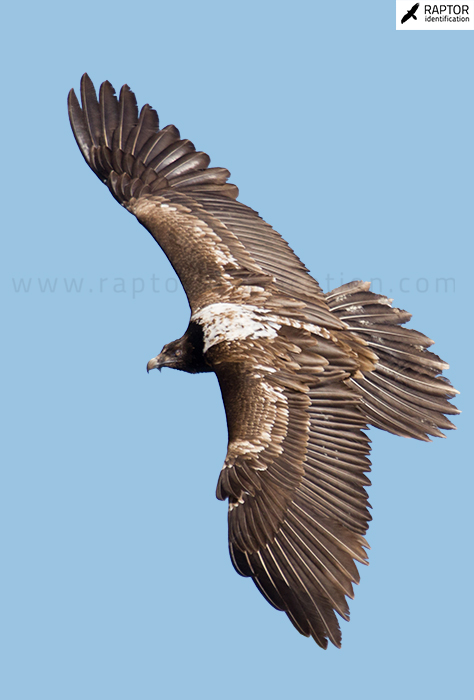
<point>226,322</point>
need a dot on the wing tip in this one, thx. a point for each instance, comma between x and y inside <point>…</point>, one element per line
<point>142,148</point>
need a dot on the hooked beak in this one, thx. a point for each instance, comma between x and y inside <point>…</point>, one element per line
<point>154,364</point>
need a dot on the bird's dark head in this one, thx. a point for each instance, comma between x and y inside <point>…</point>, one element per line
<point>173,355</point>
<point>184,354</point>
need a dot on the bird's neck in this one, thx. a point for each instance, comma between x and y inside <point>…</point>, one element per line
<point>193,346</point>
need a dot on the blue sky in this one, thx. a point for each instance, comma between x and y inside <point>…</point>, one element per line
<point>355,142</point>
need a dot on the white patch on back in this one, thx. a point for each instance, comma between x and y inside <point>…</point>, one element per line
<point>227,322</point>
<point>224,322</point>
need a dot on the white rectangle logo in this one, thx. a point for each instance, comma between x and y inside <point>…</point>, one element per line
<point>423,15</point>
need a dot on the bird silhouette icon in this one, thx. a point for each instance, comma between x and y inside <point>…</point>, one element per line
<point>411,13</point>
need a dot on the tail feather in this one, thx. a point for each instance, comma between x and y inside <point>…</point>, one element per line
<point>130,153</point>
<point>404,393</point>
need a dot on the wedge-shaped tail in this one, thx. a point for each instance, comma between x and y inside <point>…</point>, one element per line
<point>404,394</point>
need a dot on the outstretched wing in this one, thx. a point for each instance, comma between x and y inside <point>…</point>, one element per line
<point>295,475</point>
<point>217,246</point>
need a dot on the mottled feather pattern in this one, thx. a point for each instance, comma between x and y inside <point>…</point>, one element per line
<point>169,167</point>
<point>270,499</point>
<point>302,373</point>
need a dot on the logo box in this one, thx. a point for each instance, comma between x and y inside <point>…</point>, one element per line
<point>416,16</point>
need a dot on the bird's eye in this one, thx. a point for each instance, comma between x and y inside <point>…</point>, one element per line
<point>178,353</point>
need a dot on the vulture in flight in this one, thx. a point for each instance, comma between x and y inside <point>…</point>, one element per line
<point>302,373</point>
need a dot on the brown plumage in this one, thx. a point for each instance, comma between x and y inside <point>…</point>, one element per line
<point>302,373</point>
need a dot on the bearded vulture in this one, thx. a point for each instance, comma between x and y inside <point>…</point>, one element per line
<point>302,373</point>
